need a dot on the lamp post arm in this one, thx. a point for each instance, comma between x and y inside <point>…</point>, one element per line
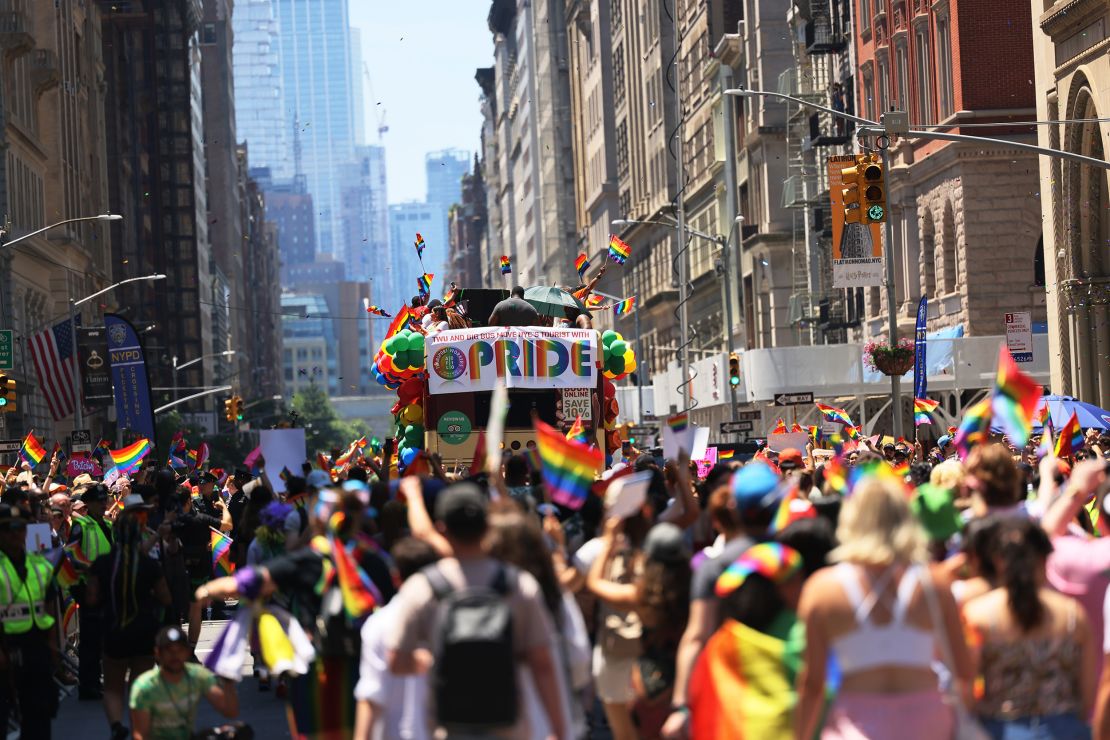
<point>113,286</point>
<point>36,232</point>
<point>170,405</point>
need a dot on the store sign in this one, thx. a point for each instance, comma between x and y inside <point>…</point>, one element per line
<point>577,402</point>
<point>454,427</point>
<point>1019,336</point>
<point>463,360</point>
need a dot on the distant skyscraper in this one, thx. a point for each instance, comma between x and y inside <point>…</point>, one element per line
<point>445,170</point>
<point>364,213</point>
<point>320,99</point>
<point>405,220</point>
<point>259,89</point>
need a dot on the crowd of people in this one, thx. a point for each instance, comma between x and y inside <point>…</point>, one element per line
<point>888,591</point>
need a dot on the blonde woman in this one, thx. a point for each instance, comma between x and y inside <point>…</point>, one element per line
<point>872,613</point>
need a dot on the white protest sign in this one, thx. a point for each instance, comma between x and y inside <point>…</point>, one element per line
<point>282,448</point>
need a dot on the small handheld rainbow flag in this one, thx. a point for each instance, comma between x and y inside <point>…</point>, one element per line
<point>581,264</point>
<point>922,407</point>
<point>1015,399</point>
<point>678,422</point>
<point>130,456</point>
<point>419,244</point>
<point>852,431</point>
<point>506,264</point>
<point>832,413</point>
<point>221,553</point>
<point>202,455</point>
<point>619,252</point>
<point>796,428</point>
<point>726,454</point>
<point>424,283</point>
<point>569,467</point>
<point>32,450</point>
<point>973,427</point>
<point>377,311</point>
<point>780,428</point>
<point>577,431</point>
<point>1070,440</point>
<point>593,300</point>
<point>814,432</point>
<point>625,306</point>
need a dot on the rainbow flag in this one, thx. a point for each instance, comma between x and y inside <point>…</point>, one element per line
<point>177,450</point>
<point>419,244</point>
<point>678,422</point>
<point>974,427</point>
<point>578,431</point>
<point>814,432</point>
<point>726,454</point>
<point>221,553</point>
<point>532,455</point>
<point>742,685</point>
<point>377,311</point>
<point>1042,415</point>
<point>836,476</point>
<point>922,407</point>
<point>32,450</point>
<point>400,321</point>
<point>619,252</point>
<point>191,459</point>
<point>70,613</point>
<point>1047,446</point>
<point>77,555</point>
<point>1070,440</point>
<point>130,456</point>
<point>797,428</point>
<point>202,455</point>
<point>581,264</point>
<point>424,283</point>
<point>832,413</point>
<point>624,307</point>
<point>902,469</point>
<point>360,596</point>
<point>593,301</point>
<point>506,264</point>
<point>1015,399</point>
<point>451,296</point>
<point>794,507</point>
<point>569,467</point>
<point>852,432</point>
<point>780,428</point>
<point>66,573</point>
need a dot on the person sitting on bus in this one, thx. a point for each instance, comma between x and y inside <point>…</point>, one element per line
<point>514,311</point>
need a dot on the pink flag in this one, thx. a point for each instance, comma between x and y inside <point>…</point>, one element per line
<point>252,458</point>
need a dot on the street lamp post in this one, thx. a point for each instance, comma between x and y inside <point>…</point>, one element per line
<point>182,366</point>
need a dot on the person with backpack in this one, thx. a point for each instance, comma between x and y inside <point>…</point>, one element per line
<point>483,618</point>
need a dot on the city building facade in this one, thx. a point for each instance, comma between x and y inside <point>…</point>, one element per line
<point>466,225</point>
<point>262,376</point>
<point>308,344</point>
<point>260,87</point>
<point>364,213</point>
<point>406,220</point>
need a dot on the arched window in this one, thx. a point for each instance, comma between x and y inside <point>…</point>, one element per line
<point>1038,264</point>
<point>946,265</point>
<point>926,256</point>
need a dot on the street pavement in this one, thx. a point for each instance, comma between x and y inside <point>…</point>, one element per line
<point>262,710</point>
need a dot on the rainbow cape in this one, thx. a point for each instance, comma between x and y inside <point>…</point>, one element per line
<point>221,553</point>
<point>922,407</point>
<point>832,413</point>
<point>1015,399</point>
<point>619,252</point>
<point>581,264</point>
<point>569,467</point>
<point>625,306</point>
<point>130,456</point>
<point>506,265</point>
<point>32,450</point>
<point>1070,440</point>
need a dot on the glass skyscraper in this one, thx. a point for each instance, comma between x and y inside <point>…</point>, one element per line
<point>259,90</point>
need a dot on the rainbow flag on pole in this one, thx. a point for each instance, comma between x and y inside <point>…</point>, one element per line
<point>581,264</point>
<point>619,252</point>
<point>1015,399</point>
<point>974,427</point>
<point>832,413</point>
<point>569,467</point>
<point>130,456</point>
<point>678,422</point>
<point>1070,440</point>
<point>377,311</point>
<point>32,450</point>
<point>625,306</point>
<point>506,265</point>
<point>221,553</point>
<point>424,283</point>
<point>419,244</point>
<point>922,407</point>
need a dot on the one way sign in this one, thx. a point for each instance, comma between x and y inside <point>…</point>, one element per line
<point>793,399</point>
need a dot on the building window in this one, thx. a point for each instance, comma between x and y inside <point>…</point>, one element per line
<point>622,149</point>
<point>208,33</point>
<point>865,16</point>
<point>1038,264</point>
<point>868,91</point>
<point>928,255</point>
<point>884,87</point>
<point>944,68</point>
<point>901,100</point>
<point>616,16</point>
<point>924,69</point>
<point>947,259</point>
<point>618,75</point>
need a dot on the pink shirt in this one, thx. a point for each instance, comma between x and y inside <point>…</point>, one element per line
<point>1079,566</point>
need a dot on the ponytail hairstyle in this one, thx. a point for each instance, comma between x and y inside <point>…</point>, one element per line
<point>1020,553</point>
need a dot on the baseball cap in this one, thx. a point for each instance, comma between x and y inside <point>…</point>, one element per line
<point>170,636</point>
<point>462,509</point>
<point>665,544</point>
<point>755,487</point>
<point>318,479</point>
<point>772,560</point>
<point>790,458</point>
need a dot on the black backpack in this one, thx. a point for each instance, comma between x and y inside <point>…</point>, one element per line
<point>475,670</point>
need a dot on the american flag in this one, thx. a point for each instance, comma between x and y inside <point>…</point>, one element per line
<point>53,354</point>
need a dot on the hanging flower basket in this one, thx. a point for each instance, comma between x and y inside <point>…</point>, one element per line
<point>889,359</point>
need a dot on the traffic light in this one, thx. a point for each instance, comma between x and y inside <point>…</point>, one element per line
<point>229,409</point>
<point>872,182</point>
<point>733,369</point>
<point>238,408</point>
<point>7,394</point>
<point>850,195</point>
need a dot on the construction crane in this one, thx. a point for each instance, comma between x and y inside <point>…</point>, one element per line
<point>379,109</point>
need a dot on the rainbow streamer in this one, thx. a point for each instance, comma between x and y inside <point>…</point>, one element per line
<point>419,244</point>
<point>506,265</point>
<point>581,264</point>
<point>625,306</point>
<point>922,407</point>
<point>619,252</point>
<point>973,427</point>
<point>1015,399</point>
<point>32,450</point>
<point>424,283</point>
<point>129,457</point>
<point>678,422</point>
<point>832,413</point>
<point>377,311</point>
<point>1070,440</point>
<point>569,467</point>
<point>221,553</point>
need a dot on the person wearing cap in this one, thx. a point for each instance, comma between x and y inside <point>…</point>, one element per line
<point>164,699</point>
<point>28,615</point>
<point>91,535</point>
<point>298,492</point>
<point>130,589</point>
<point>743,521</point>
<point>202,513</point>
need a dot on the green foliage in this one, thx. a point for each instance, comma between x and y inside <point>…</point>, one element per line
<point>324,430</point>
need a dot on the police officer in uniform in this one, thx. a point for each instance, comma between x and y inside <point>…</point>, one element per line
<point>28,650</point>
<point>93,535</point>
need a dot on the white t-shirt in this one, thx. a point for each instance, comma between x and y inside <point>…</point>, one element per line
<point>401,700</point>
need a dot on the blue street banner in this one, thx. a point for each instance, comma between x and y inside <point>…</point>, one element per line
<point>134,405</point>
<point>920,374</point>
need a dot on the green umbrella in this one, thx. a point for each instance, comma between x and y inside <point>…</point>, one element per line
<point>552,301</point>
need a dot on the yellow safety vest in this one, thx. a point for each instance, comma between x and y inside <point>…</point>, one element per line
<point>23,601</point>
<point>94,542</point>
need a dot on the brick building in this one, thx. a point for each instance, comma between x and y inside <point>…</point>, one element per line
<point>967,222</point>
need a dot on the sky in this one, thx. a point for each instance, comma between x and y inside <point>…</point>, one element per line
<point>421,55</point>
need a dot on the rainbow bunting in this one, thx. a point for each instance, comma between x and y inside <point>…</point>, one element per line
<point>625,306</point>
<point>1070,440</point>
<point>419,244</point>
<point>377,311</point>
<point>581,264</point>
<point>780,428</point>
<point>129,457</point>
<point>1015,399</point>
<point>506,265</point>
<point>794,507</point>
<point>360,596</point>
<point>424,283</point>
<point>832,413</point>
<point>922,407</point>
<point>619,252</point>
<point>678,422</point>
<point>32,450</point>
<point>221,553</point>
<point>569,467</point>
<point>974,427</point>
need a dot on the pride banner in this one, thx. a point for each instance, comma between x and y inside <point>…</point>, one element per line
<point>461,360</point>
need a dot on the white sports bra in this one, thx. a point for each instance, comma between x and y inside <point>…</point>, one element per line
<point>895,643</point>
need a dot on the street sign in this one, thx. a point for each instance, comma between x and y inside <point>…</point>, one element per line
<point>80,440</point>
<point>749,415</point>
<point>7,356</point>
<point>10,445</point>
<point>735,427</point>
<point>793,399</point>
<point>642,431</point>
<point>1019,336</point>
